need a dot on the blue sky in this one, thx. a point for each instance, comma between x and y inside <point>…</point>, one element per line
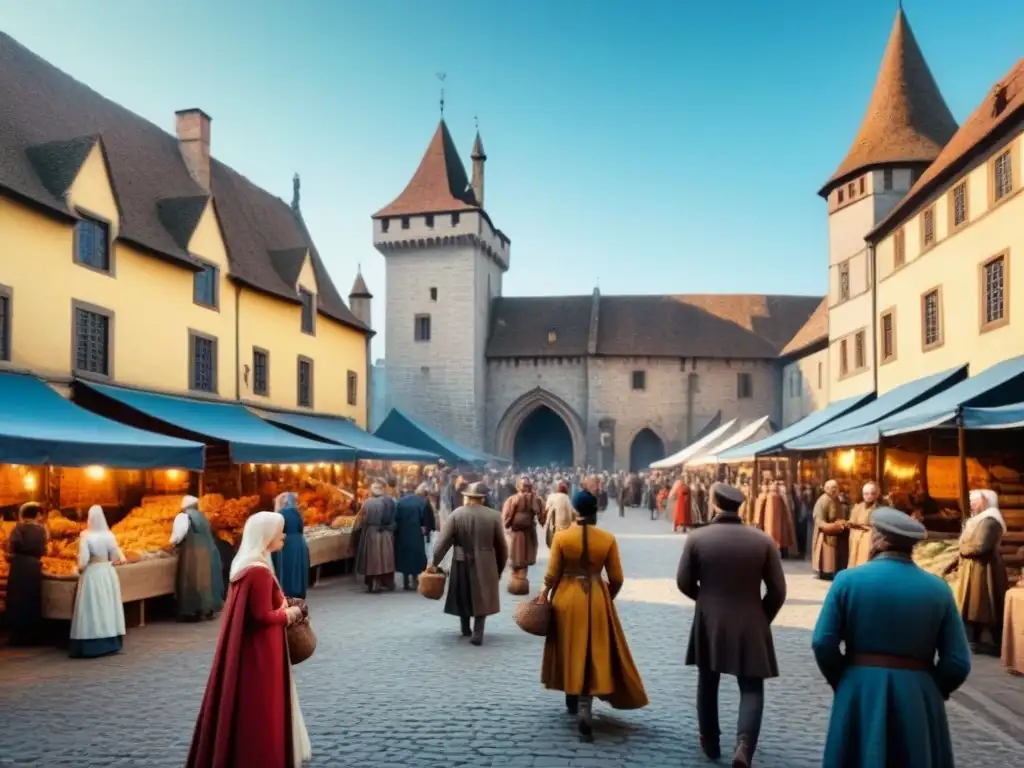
<point>669,146</point>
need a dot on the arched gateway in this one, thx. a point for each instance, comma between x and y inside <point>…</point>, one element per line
<point>645,449</point>
<point>541,429</point>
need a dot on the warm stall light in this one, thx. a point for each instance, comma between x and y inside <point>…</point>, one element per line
<point>295,467</point>
<point>95,472</point>
<point>847,460</point>
<point>337,467</point>
<point>322,465</point>
<point>309,467</point>
<point>173,474</point>
<point>252,467</point>
<point>29,482</point>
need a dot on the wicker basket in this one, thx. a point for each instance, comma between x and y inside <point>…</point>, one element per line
<point>518,585</point>
<point>431,585</point>
<point>534,616</point>
<point>301,641</point>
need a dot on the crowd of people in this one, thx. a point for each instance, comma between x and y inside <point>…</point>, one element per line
<point>891,639</point>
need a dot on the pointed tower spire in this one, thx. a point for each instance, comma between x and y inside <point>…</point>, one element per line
<point>361,300</point>
<point>907,120</point>
<point>479,157</point>
<point>359,289</point>
<point>296,184</point>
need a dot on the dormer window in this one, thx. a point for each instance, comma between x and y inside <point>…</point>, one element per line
<point>204,287</point>
<point>92,244</point>
<point>385,225</point>
<point>308,311</point>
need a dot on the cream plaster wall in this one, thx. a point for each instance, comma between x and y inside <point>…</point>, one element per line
<point>805,386</point>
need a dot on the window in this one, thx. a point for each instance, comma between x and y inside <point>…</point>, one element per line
<point>899,248</point>
<point>931,319</point>
<point>385,225</point>
<point>92,244</point>
<point>844,281</point>
<point>421,328</point>
<point>993,292</point>
<point>93,340</point>
<point>888,334</point>
<point>305,383</point>
<point>455,219</point>
<point>433,294</point>
<point>841,196</point>
<point>887,179</point>
<point>202,362</point>
<point>928,228</point>
<point>552,336</point>
<point>958,205</point>
<point>861,185</point>
<point>851,189</point>
<point>260,372</point>
<point>914,176</point>
<point>353,388</point>
<point>5,323</point>
<point>1002,176</point>
<point>844,363</point>
<point>858,351</point>
<point>744,386</point>
<point>308,311</point>
<point>405,222</point>
<point>639,379</point>
<point>821,375</point>
<point>795,383</point>
<point>204,287</point>
<point>430,220</point>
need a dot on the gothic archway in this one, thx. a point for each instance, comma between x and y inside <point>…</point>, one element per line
<point>543,440</point>
<point>645,449</point>
<point>524,408</point>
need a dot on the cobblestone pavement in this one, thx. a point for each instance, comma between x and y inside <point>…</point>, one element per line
<point>393,684</point>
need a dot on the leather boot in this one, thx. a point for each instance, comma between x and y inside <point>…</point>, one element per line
<point>572,704</point>
<point>466,631</point>
<point>709,746</point>
<point>478,630</point>
<point>584,722</point>
<point>406,582</point>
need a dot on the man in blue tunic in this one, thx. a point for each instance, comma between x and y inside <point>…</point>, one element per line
<point>414,520</point>
<point>894,619</point>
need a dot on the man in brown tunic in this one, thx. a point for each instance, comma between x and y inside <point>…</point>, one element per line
<point>860,526</point>
<point>520,516</point>
<point>757,519</point>
<point>722,568</point>
<point>778,522</point>
<point>474,533</point>
<point>828,552</point>
<point>375,536</point>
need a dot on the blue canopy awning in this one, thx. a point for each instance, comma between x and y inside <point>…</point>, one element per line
<point>852,428</point>
<point>344,432</point>
<point>1002,417</point>
<point>1000,384</point>
<point>399,428</point>
<point>248,437</point>
<point>774,443</point>
<point>38,426</point>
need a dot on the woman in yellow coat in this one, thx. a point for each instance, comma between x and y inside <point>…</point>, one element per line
<point>586,654</point>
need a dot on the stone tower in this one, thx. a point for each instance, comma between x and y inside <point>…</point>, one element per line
<point>444,263</point>
<point>360,300</point>
<point>906,125</point>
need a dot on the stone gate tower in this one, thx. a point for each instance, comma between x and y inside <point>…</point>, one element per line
<point>444,263</point>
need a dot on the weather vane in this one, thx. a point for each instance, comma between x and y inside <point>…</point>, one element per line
<point>476,123</point>
<point>441,76</point>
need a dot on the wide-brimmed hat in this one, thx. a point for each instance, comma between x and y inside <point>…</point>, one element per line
<point>475,491</point>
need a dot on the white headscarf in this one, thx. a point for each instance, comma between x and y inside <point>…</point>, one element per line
<point>97,526</point>
<point>991,510</point>
<point>284,500</point>
<point>257,536</point>
<point>188,502</point>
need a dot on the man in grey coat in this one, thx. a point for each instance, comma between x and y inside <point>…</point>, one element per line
<point>476,535</point>
<point>721,570</point>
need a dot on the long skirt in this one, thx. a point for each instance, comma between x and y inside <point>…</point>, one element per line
<point>97,628</point>
<point>24,616</point>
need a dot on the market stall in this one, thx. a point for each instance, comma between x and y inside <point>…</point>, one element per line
<point>697,447</point>
<point>743,465</point>
<point>68,459</point>
<point>399,428</point>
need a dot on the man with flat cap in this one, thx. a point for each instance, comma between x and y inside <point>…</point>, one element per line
<point>906,651</point>
<point>721,570</point>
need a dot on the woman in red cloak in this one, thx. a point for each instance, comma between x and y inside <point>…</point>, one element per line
<point>681,514</point>
<point>250,714</point>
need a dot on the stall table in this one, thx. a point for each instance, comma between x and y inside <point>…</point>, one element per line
<point>328,549</point>
<point>139,582</point>
<point>1013,631</point>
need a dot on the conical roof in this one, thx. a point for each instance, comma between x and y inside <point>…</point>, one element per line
<point>907,120</point>
<point>439,185</point>
<point>359,289</point>
<point>478,149</point>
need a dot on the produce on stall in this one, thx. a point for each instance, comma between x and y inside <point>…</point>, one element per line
<point>937,556</point>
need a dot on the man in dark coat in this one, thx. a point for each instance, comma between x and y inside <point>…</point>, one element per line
<point>374,532</point>
<point>414,521</point>
<point>721,570</point>
<point>477,536</point>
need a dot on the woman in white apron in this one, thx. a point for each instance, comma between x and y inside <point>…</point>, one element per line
<point>97,628</point>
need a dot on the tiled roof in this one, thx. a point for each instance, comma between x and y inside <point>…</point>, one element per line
<point>440,184</point>
<point>49,121</point>
<point>1003,104</point>
<point>907,119</point>
<point>814,331</point>
<point>710,326</point>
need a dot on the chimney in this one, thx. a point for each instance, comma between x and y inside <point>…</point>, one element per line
<point>479,158</point>
<point>193,128</point>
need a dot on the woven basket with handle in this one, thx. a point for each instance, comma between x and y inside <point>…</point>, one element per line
<point>431,585</point>
<point>534,616</point>
<point>301,641</point>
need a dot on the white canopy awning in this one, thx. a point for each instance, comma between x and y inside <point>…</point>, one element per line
<point>679,458</point>
<point>755,430</point>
